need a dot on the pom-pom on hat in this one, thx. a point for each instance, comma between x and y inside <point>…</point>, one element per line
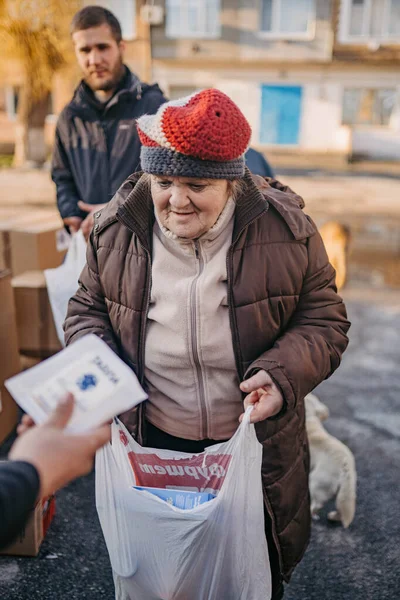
<point>204,135</point>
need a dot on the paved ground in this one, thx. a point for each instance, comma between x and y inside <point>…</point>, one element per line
<point>361,563</point>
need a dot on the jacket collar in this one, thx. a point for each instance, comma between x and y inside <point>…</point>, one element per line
<point>288,204</point>
<point>137,211</point>
<point>250,205</point>
<point>133,206</point>
<point>129,85</point>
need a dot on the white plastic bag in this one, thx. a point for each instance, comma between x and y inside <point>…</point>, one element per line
<point>215,551</point>
<point>62,282</point>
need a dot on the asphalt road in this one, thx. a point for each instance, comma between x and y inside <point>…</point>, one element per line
<point>361,563</point>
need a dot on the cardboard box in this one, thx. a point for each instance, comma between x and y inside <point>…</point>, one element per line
<point>8,414</point>
<point>9,357</point>
<point>31,537</point>
<point>37,246</point>
<point>35,326</point>
<point>6,224</point>
<point>17,220</point>
<point>27,362</point>
<point>6,216</point>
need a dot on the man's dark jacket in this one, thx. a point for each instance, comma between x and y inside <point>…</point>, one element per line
<point>19,490</point>
<point>258,164</point>
<point>96,145</point>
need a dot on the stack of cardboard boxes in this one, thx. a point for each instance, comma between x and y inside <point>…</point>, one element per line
<point>30,238</point>
<point>9,355</point>
<point>37,335</point>
<point>30,538</point>
<point>29,243</point>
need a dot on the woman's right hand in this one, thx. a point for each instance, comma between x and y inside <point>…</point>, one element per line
<point>263,394</point>
<point>26,423</point>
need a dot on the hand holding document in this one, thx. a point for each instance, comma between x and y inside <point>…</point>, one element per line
<point>102,384</point>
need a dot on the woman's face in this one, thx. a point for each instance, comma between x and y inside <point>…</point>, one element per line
<point>188,206</point>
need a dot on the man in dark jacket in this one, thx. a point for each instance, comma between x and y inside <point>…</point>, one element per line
<point>96,143</point>
<point>41,461</point>
<point>258,164</point>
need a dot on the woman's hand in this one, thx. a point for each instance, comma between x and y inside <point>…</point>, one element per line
<point>263,394</point>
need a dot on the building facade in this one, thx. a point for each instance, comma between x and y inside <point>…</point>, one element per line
<point>320,75</point>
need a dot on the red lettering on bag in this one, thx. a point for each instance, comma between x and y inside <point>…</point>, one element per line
<point>205,471</point>
<point>123,438</point>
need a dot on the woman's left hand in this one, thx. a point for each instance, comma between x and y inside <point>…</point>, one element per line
<point>263,394</point>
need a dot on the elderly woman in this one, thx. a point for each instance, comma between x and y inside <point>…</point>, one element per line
<point>214,286</point>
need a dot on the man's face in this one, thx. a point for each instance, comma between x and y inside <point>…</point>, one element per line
<point>99,56</point>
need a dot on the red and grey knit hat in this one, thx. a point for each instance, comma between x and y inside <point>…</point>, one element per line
<point>202,135</point>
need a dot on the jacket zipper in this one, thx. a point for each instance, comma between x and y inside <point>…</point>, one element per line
<point>194,341</point>
<point>232,316</point>
<point>142,343</point>
<point>142,346</point>
<point>273,528</point>
<point>104,130</point>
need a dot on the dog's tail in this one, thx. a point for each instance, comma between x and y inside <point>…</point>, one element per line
<point>346,496</point>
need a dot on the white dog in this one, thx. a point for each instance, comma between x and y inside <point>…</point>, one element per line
<point>332,466</point>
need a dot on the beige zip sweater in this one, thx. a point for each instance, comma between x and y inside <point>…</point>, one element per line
<point>189,360</point>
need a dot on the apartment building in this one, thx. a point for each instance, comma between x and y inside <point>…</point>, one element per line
<point>316,75</point>
<point>320,75</point>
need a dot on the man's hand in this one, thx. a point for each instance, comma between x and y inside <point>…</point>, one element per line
<point>88,223</point>
<point>263,394</point>
<point>26,423</point>
<point>59,457</point>
<point>74,223</point>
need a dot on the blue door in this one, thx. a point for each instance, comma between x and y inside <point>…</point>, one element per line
<point>280,114</point>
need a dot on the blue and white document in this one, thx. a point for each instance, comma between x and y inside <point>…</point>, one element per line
<point>102,384</point>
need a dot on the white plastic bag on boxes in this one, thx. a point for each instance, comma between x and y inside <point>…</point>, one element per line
<point>215,551</point>
<point>62,282</point>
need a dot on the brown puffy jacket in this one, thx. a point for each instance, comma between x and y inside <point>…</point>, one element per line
<point>285,315</point>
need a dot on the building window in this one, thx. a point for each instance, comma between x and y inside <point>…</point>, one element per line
<point>12,95</point>
<point>125,11</point>
<point>11,102</point>
<point>193,19</point>
<point>365,21</point>
<point>288,18</point>
<point>368,106</point>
